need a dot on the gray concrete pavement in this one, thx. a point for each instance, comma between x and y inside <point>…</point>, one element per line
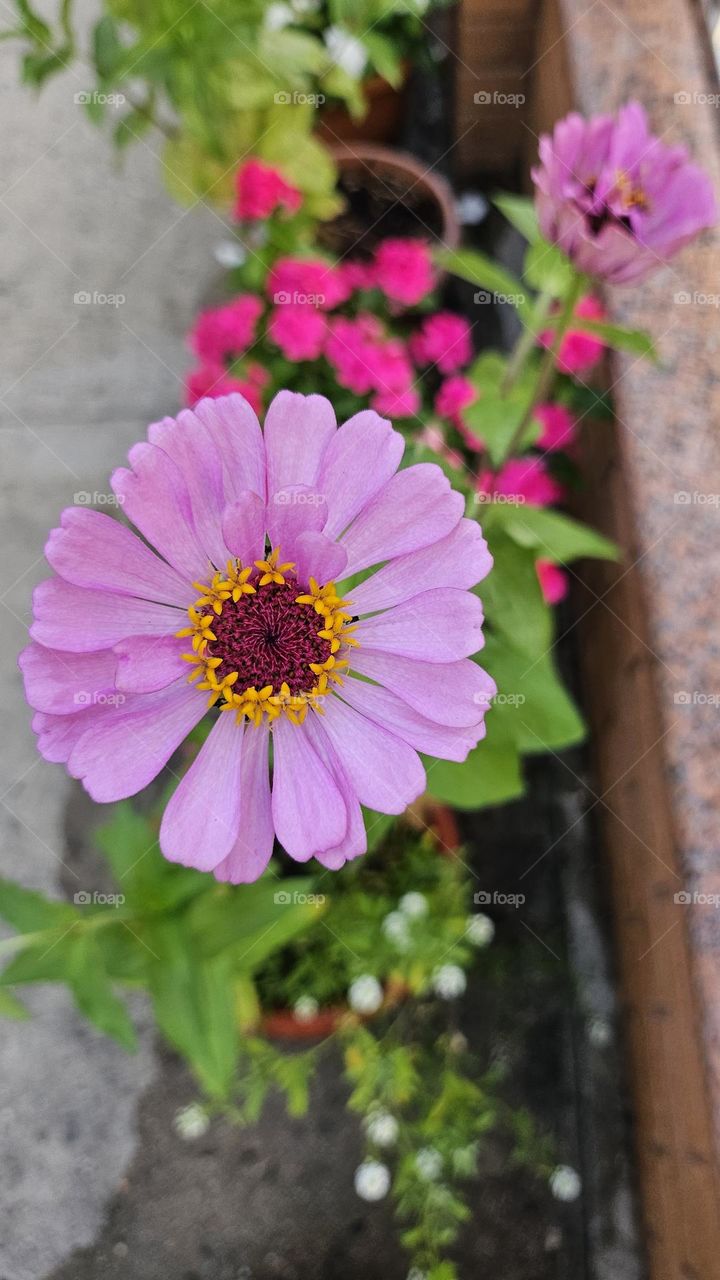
<point>78,383</point>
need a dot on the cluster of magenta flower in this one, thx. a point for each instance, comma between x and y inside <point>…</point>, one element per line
<point>235,519</point>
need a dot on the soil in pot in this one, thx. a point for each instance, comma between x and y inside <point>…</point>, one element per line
<point>387,194</point>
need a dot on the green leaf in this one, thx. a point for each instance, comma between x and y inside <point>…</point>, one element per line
<point>149,882</point>
<point>552,535</point>
<point>511,594</point>
<point>520,212</point>
<point>384,57</point>
<point>480,270</point>
<point>107,49</point>
<point>238,918</point>
<point>636,341</point>
<point>532,707</point>
<point>194,1002</point>
<point>94,996</point>
<point>12,1008</point>
<point>29,911</point>
<point>497,414</point>
<point>490,775</point>
<point>547,269</point>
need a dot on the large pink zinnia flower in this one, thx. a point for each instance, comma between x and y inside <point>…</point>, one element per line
<point>231,601</point>
<point>616,199</point>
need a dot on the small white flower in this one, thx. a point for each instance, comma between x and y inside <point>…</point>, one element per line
<point>416,1274</point>
<point>599,1033</point>
<point>414,905</point>
<point>346,51</point>
<point>382,1128</point>
<point>449,981</point>
<point>480,930</point>
<point>365,994</point>
<point>305,1008</point>
<point>395,927</point>
<point>230,253</point>
<point>306,6</point>
<point>429,1163</point>
<point>565,1183</point>
<point>471,208</point>
<point>372,1180</point>
<point>191,1121</point>
<point>277,16</point>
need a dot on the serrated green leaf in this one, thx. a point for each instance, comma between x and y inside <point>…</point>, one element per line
<point>93,993</point>
<point>29,911</point>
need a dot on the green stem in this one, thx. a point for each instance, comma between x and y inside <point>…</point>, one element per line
<point>547,369</point>
<point>527,340</point>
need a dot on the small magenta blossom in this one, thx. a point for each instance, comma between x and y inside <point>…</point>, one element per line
<point>230,601</point>
<point>521,480</point>
<point>617,200</point>
<point>260,190</point>
<point>222,333</point>
<point>444,339</point>
<point>403,270</point>
<point>579,350</point>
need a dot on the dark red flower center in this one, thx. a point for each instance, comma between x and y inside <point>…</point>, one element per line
<point>269,639</point>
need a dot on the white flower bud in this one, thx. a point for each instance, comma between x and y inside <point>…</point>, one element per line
<point>346,51</point>
<point>365,994</point>
<point>191,1121</point>
<point>305,1008</point>
<point>429,1163</point>
<point>565,1183</point>
<point>372,1180</point>
<point>480,930</point>
<point>382,1128</point>
<point>449,981</point>
<point>395,927</point>
<point>414,905</point>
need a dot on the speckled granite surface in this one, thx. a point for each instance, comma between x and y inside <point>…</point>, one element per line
<point>669,446</point>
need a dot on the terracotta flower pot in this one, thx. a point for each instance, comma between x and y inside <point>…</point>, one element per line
<point>382,121</point>
<point>388,193</point>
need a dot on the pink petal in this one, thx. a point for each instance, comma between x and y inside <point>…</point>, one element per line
<point>460,559</point>
<point>189,444</point>
<point>148,663</point>
<point>291,512</point>
<point>65,683</point>
<point>202,818</point>
<point>79,621</point>
<point>385,708</point>
<point>126,749</point>
<point>297,430</point>
<point>319,558</point>
<point>244,527</point>
<point>253,848</point>
<point>91,549</point>
<point>384,771</point>
<point>355,842</point>
<point>308,808</point>
<point>155,498</point>
<point>437,626</point>
<point>453,693</point>
<point>360,458</point>
<point>416,507</point>
<point>235,429</point>
<point>57,735</point>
